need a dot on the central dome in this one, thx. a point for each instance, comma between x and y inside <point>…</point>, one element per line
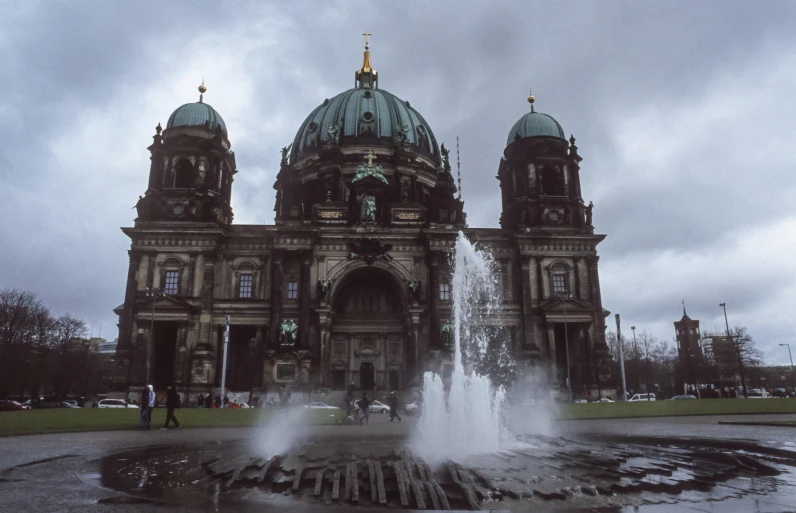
<point>364,116</point>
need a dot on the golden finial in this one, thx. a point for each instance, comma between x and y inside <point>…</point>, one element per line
<point>531,99</point>
<point>366,76</point>
<point>202,90</point>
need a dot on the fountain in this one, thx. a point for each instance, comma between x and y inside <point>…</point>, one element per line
<point>470,421</point>
<point>462,456</point>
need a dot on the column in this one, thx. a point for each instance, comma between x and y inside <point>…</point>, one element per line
<point>304,301</point>
<point>125,330</point>
<point>276,297</point>
<point>433,300</point>
<point>325,360</point>
<point>583,278</point>
<point>550,350</point>
<point>142,274</point>
<point>594,281</point>
<point>192,275</point>
<point>260,356</point>
<point>198,275</point>
<point>530,304</point>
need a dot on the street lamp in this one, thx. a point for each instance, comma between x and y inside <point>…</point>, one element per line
<point>635,356</point>
<point>152,294</point>
<point>737,350</point>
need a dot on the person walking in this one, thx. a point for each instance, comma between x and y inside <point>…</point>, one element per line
<point>150,405</point>
<point>349,399</point>
<point>364,409</point>
<point>200,401</point>
<point>209,401</point>
<point>144,401</point>
<point>218,401</point>
<point>172,403</point>
<point>392,402</point>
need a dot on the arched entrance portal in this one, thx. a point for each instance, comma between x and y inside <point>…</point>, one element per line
<point>369,334</point>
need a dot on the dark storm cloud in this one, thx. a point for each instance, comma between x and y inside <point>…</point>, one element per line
<point>682,112</point>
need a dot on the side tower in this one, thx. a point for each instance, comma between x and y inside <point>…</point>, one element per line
<point>164,323</point>
<point>563,316</point>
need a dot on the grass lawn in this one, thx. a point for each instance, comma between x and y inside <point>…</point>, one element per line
<point>672,408</point>
<point>97,419</point>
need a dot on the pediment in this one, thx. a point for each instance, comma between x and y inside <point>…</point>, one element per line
<point>567,310</point>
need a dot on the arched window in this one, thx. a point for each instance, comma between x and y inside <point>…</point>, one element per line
<point>183,174</point>
<point>552,184</point>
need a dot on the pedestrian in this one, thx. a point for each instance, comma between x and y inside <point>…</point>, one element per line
<point>218,401</point>
<point>150,405</point>
<point>392,401</point>
<point>349,399</point>
<point>226,401</point>
<point>364,408</point>
<point>200,401</point>
<point>209,401</point>
<point>142,422</point>
<point>172,403</point>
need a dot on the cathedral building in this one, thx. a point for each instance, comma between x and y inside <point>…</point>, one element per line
<point>352,281</point>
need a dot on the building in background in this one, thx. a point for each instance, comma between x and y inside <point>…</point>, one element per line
<point>352,282</point>
<point>689,353</point>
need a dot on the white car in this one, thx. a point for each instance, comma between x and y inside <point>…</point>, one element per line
<point>115,403</point>
<point>641,397</point>
<point>412,407</point>
<point>375,407</point>
<point>322,406</point>
<point>757,393</point>
<point>70,404</point>
<point>605,400</point>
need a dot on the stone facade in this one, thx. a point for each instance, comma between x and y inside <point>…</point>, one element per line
<point>352,282</point>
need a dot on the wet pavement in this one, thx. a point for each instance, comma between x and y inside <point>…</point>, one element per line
<point>674,464</point>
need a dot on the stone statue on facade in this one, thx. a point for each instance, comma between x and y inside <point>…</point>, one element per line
<point>332,135</point>
<point>368,210</point>
<point>286,154</point>
<point>370,169</point>
<point>446,164</point>
<point>589,210</point>
<point>288,332</point>
<point>324,286</point>
<point>414,287</point>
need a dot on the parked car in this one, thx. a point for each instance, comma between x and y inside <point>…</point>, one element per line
<point>757,393</point>
<point>70,404</point>
<point>12,406</point>
<point>779,392</point>
<point>580,400</point>
<point>683,397</point>
<point>321,405</point>
<point>605,400</point>
<point>641,397</point>
<point>115,403</point>
<point>375,407</point>
<point>412,408</point>
<point>47,402</point>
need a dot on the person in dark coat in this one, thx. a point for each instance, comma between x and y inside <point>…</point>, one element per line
<point>142,421</point>
<point>349,399</point>
<point>172,403</point>
<point>209,401</point>
<point>392,402</point>
<point>218,401</point>
<point>364,409</point>
<point>200,401</point>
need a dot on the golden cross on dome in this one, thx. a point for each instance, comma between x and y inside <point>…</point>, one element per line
<point>366,34</point>
<point>369,156</point>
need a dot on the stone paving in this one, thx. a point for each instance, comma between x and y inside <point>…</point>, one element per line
<point>65,472</point>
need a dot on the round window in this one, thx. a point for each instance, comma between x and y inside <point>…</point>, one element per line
<point>367,94</point>
<point>367,116</point>
<point>178,209</point>
<point>313,126</point>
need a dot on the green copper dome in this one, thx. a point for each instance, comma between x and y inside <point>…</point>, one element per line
<point>535,124</point>
<point>197,114</point>
<point>364,116</point>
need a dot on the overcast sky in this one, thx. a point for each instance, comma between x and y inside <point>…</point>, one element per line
<point>683,111</point>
